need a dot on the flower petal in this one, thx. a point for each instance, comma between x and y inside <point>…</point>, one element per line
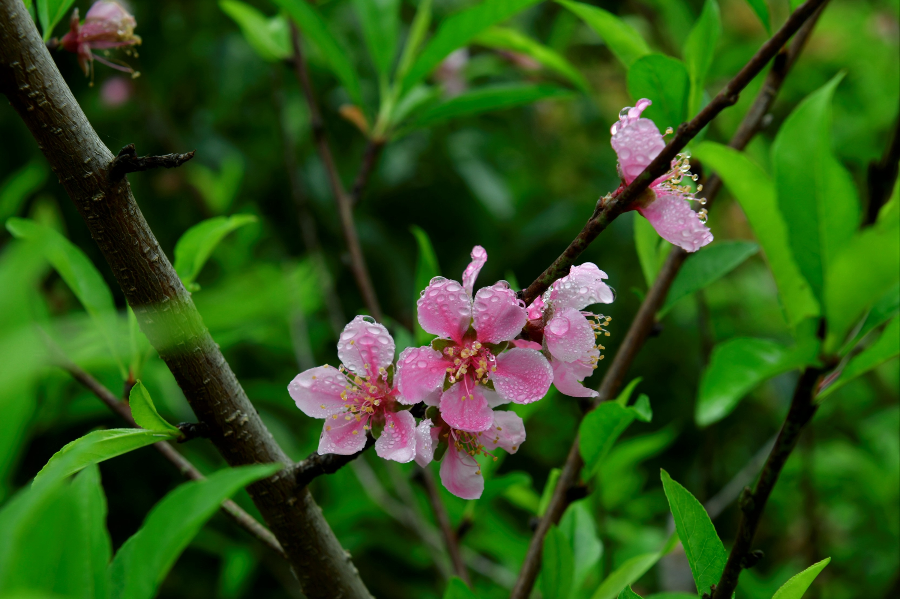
<point>461,474</point>
<point>342,436</point>
<point>580,288</point>
<point>636,141</point>
<point>317,391</point>
<point>675,222</point>
<point>499,314</point>
<point>526,344</point>
<point>398,439</point>
<point>569,336</point>
<point>493,398</point>
<point>507,432</point>
<point>464,407</point>
<point>420,375</point>
<point>445,309</point>
<point>522,375</point>
<point>536,310</point>
<point>365,346</point>
<point>567,377</point>
<point>424,443</point>
<point>479,257</point>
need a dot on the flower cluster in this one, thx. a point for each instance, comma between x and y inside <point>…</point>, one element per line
<point>490,350</point>
<point>107,25</point>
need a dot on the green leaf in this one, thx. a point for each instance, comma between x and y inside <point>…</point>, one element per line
<point>547,493</point>
<point>622,40</point>
<point>580,530</point>
<point>601,427</point>
<point>883,310</point>
<point>665,81</point>
<point>699,51</point>
<point>886,347</point>
<point>557,569</point>
<point>797,585</point>
<point>625,395</point>
<point>314,27</point>
<point>197,244</point>
<point>627,593</point>
<point>736,367</point>
<point>755,192</point>
<point>90,524</point>
<point>270,38</point>
<point>51,12</point>
<point>816,194</point>
<point>426,269</point>
<point>19,186</point>
<point>417,32</point>
<point>631,571</point>
<point>490,98</point>
<point>80,275</point>
<point>761,8</point>
<point>706,267</point>
<point>94,448</point>
<point>509,39</point>
<point>652,249</point>
<point>705,551</point>
<point>144,412</point>
<point>457,31</point>
<point>457,589</point>
<point>219,189</point>
<point>380,20</point>
<point>145,559</point>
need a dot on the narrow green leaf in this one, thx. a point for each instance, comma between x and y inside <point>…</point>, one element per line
<point>631,571</point>
<point>457,589</point>
<point>19,186</point>
<point>699,51</point>
<point>755,192</point>
<point>652,249</point>
<point>707,267</point>
<point>625,394</point>
<point>145,559</point>
<point>380,20</point>
<point>761,8</point>
<point>417,32</point>
<point>509,39</point>
<point>144,412</point>
<point>627,593</point>
<point>665,81</point>
<point>314,27</point>
<point>457,31</point>
<point>580,530</point>
<point>557,567</point>
<point>50,13</point>
<point>197,244</point>
<point>269,37</point>
<point>705,551</point>
<point>426,269</point>
<point>547,493</point>
<point>96,553</point>
<point>797,585</point>
<point>886,347</point>
<point>622,40</point>
<point>601,427</point>
<point>884,309</point>
<point>487,99</point>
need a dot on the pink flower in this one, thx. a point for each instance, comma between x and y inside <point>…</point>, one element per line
<point>569,334</point>
<point>460,472</point>
<point>467,372</point>
<point>637,141</point>
<point>107,25</point>
<point>359,396</point>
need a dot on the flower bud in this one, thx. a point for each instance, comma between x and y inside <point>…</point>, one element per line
<point>107,25</point>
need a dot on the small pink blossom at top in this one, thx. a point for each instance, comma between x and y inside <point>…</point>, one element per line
<point>359,396</point>
<point>637,141</point>
<point>469,355</point>
<point>107,25</point>
<point>569,333</point>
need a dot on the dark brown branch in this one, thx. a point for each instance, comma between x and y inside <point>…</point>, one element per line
<point>165,311</point>
<point>127,161</point>
<point>443,520</point>
<point>607,211</point>
<point>882,175</point>
<point>192,430</point>
<point>316,465</point>
<point>645,319</point>
<point>370,159</point>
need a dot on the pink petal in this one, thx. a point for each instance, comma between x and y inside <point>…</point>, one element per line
<point>636,141</point>
<point>493,398</point>
<point>107,10</point>
<point>675,222</point>
<point>479,257</point>
<point>420,375</point>
<point>499,314</point>
<point>580,288</point>
<point>525,344</point>
<point>424,443</point>
<point>507,432</point>
<point>567,377</point>
<point>465,407</point>
<point>522,375</point>
<point>536,310</point>
<point>445,309</point>
<point>461,474</point>
<point>365,346</point>
<point>398,439</point>
<point>569,336</point>
<point>317,391</point>
<point>342,436</point>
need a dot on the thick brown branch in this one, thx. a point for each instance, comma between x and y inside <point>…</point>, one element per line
<point>164,309</point>
<point>127,161</point>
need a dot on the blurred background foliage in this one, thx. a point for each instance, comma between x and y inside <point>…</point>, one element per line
<point>520,181</point>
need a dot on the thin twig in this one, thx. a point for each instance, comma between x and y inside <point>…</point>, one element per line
<point>645,319</point>
<point>370,159</point>
<point>127,161</point>
<point>443,520</point>
<point>343,201</point>
<point>316,465</point>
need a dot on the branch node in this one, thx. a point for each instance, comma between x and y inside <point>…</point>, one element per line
<point>127,161</point>
<point>745,501</point>
<point>752,558</point>
<point>192,430</point>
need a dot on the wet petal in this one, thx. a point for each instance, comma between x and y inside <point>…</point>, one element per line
<point>465,407</point>
<point>420,375</point>
<point>637,142</point>
<point>507,432</point>
<point>569,336</point>
<point>461,474</point>
<point>317,391</point>
<point>536,310</point>
<point>445,309</point>
<point>567,377</point>
<point>398,439</point>
<point>499,314</point>
<point>580,288</point>
<point>342,436</point>
<point>479,257</point>
<point>675,222</point>
<point>525,344</point>
<point>522,375</point>
<point>424,443</point>
<point>493,398</point>
<point>365,346</point>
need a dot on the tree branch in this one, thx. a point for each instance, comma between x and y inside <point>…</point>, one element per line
<point>370,159</point>
<point>443,520</point>
<point>165,311</point>
<point>127,161</point>
<point>316,465</point>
